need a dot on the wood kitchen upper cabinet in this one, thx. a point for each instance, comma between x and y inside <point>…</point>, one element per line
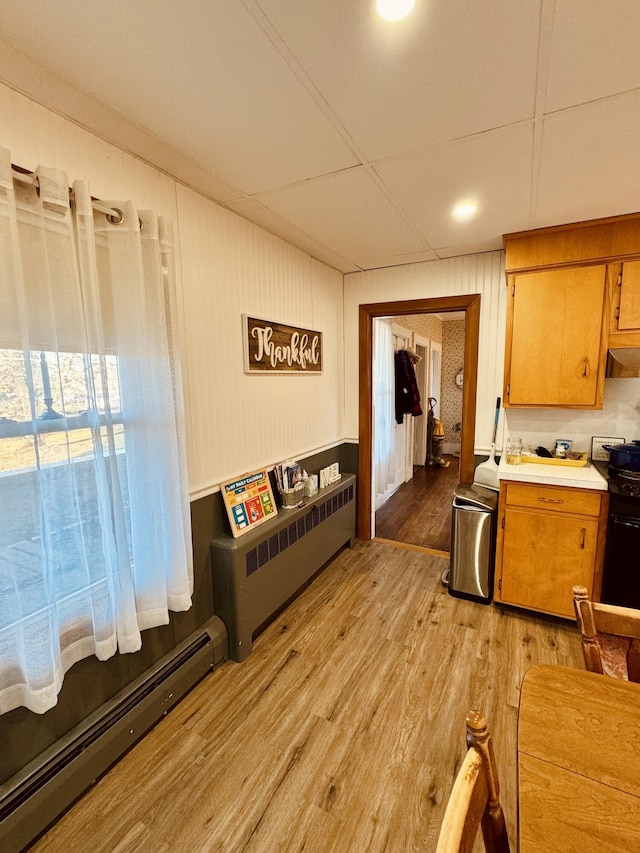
<point>549,538</point>
<point>556,344</point>
<point>612,247</point>
<point>624,289</point>
<point>615,238</point>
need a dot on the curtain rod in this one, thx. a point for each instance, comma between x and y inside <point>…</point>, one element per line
<point>24,176</point>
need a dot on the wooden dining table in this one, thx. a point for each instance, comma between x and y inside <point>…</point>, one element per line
<point>578,762</point>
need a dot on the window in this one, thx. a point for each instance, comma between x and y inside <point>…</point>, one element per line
<point>94,533</point>
<point>70,371</point>
<point>33,457</point>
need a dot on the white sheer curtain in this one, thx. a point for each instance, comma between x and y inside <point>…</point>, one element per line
<point>95,541</point>
<point>384,411</point>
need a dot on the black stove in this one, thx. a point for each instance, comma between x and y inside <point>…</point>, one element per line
<point>625,488</point>
<point>621,573</point>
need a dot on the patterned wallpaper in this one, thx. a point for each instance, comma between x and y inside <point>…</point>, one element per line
<point>426,325</point>
<point>450,333</point>
<point>451,402</point>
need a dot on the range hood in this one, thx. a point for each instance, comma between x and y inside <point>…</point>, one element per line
<point>623,362</point>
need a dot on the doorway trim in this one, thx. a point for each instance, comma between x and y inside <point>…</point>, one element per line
<point>470,304</point>
<point>422,378</point>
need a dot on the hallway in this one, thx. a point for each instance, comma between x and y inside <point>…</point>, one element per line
<point>419,513</point>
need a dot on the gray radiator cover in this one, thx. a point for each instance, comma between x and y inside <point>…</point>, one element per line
<point>255,574</point>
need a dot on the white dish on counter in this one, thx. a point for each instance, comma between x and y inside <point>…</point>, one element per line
<point>587,477</point>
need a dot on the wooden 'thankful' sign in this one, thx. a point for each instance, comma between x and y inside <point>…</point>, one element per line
<point>273,347</point>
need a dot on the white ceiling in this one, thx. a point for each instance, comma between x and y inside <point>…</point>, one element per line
<point>350,137</point>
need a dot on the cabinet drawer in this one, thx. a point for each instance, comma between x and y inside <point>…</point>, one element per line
<point>554,499</point>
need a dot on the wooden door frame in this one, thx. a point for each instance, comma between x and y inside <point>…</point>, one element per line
<point>470,304</point>
<point>398,331</point>
<point>417,342</point>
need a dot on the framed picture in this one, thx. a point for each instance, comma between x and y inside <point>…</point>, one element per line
<point>249,501</point>
<point>271,347</point>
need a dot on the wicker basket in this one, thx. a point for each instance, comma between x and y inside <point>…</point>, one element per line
<point>292,498</point>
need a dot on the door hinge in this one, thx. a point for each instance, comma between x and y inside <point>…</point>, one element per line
<point>619,279</point>
<point>503,522</point>
<point>508,389</point>
<point>500,584</point>
<point>618,313</point>
<point>513,289</point>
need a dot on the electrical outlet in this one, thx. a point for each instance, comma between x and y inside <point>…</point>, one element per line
<point>598,453</point>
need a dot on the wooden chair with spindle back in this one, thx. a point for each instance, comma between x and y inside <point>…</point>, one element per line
<point>474,800</point>
<point>610,636</point>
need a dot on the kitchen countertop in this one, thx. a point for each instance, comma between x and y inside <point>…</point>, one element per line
<point>588,477</point>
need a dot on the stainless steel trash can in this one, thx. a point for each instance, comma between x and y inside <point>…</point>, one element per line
<point>473,536</point>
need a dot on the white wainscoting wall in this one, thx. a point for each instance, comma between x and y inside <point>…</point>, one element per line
<point>483,274</point>
<point>226,266</point>
<point>241,422</point>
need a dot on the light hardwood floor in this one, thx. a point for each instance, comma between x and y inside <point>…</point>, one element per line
<point>343,730</point>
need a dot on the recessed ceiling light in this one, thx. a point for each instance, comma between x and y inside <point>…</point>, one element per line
<point>465,211</point>
<point>394,10</point>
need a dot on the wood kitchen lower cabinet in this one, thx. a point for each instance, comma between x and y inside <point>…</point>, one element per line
<point>549,538</point>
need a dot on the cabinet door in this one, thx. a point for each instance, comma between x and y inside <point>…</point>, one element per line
<point>629,310</point>
<point>554,337</point>
<point>543,556</point>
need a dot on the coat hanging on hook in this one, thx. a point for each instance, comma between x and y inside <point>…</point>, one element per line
<point>407,396</point>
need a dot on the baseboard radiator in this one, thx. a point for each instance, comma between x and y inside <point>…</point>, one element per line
<point>34,798</point>
<point>255,575</point>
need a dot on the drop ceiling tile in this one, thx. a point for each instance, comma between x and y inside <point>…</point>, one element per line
<point>232,111</point>
<point>378,261</point>
<point>348,212</point>
<point>201,76</point>
<point>594,51</point>
<point>589,162</point>
<point>270,221</point>
<point>27,76</point>
<point>470,248</point>
<point>448,70</point>
<point>493,170</point>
